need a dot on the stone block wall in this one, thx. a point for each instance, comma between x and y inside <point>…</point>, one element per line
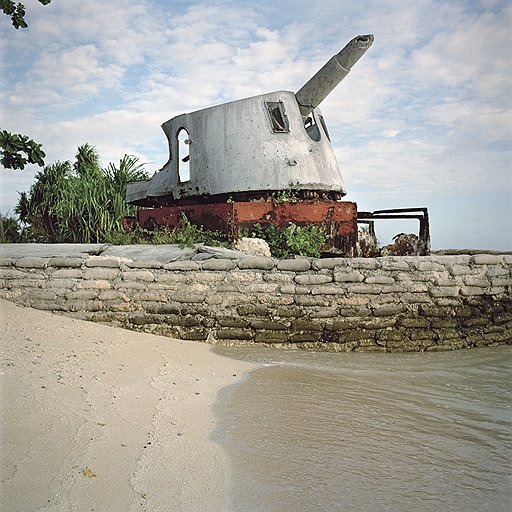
<point>383,304</point>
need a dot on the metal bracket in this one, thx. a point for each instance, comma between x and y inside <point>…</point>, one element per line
<point>402,213</point>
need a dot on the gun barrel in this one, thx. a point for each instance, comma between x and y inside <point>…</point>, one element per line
<point>331,74</point>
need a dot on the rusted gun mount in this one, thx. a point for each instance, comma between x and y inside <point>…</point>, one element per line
<point>421,214</point>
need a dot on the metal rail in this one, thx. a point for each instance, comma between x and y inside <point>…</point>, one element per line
<point>402,213</point>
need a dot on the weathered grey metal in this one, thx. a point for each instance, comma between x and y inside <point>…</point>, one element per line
<point>311,94</point>
<point>254,145</point>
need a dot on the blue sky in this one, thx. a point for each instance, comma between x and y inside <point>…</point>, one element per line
<point>423,119</point>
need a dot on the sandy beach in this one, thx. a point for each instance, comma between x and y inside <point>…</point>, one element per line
<point>96,418</point>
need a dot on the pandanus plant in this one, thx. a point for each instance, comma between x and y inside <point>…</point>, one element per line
<point>80,203</point>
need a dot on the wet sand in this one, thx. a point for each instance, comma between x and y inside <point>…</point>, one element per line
<point>100,418</point>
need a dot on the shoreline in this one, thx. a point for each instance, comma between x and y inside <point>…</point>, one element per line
<point>101,418</point>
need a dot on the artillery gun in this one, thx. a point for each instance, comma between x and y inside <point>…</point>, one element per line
<point>227,163</point>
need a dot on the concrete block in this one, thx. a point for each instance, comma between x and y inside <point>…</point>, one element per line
<point>330,263</point>
<point>40,294</point>
<point>446,281</point>
<point>237,276</point>
<point>463,270</point>
<point>152,296</point>
<point>31,262</point>
<point>324,313</point>
<point>305,337</point>
<point>471,290</point>
<point>144,264</point>
<point>388,310</point>
<point>496,271</point>
<point>279,277</point>
<point>276,300</point>
<point>268,324</point>
<point>327,290</point>
<point>233,322</point>
<point>379,322</point>
<point>414,323</point>
<point>366,289</point>
<point>288,312</point>
<point>25,283</point>
<point>379,280</point>
<point>365,263</point>
<point>102,261</point>
<point>415,287</point>
<point>184,265</point>
<point>48,306</point>
<point>447,302</point>
<point>188,298</point>
<point>86,305</point>
<point>309,300</point>
<point>253,310</point>
<point>94,284</point>
<point>359,311</point>
<point>415,298</point>
<point>445,291</point>
<point>61,283</point>
<point>387,263</point>
<point>172,277</point>
<point>67,273</point>
<point>218,264</point>
<point>81,295</point>
<point>10,273</point>
<point>392,289</point>
<point>130,285</point>
<point>429,266</point>
<point>234,334</point>
<point>141,275</point>
<point>101,273</point>
<point>487,259</point>
<point>307,325</point>
<point>256,262</point>
<point>313,279</point>
<point>294,265</point>
<point>501,281</point>
<point>269,336</point>
<point>63,262</point>
<point>480,282</point>
<point>258,287</point>
<point>348,277</point>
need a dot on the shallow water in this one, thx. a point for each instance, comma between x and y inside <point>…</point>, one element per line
<point>374,432</point>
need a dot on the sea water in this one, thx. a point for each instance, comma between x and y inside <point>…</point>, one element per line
<point>375,432</point>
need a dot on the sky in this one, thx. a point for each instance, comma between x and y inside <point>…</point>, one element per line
<point>422,120</point>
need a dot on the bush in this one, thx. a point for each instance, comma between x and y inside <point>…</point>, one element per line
<point>10,230</point>
<point>293,241</point>
<point>79,203</point>
<point>185,234</point>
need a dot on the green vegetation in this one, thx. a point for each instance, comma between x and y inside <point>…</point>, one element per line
<point>294,240</point>
<point>79,202</point>
<point>286,196</point>
<point>17,12</point>
<point>12,147</point>
<point>185,234</point>
<point>10,230</point>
